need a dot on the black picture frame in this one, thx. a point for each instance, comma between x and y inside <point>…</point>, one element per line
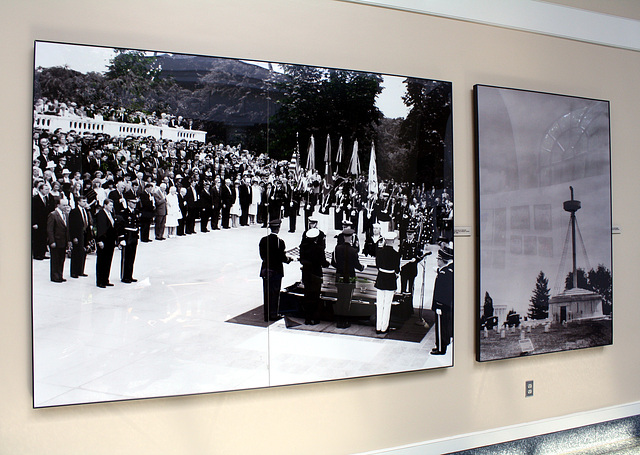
<point>543,159</point>
<point>190,318</point>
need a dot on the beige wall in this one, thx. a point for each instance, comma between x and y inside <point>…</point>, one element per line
<point>341,416</point>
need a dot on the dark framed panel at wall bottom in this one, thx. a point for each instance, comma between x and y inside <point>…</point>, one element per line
<point>174,249</point>
<point>544,223</point>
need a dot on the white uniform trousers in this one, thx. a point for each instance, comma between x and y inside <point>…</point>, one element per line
<point>383,309</point>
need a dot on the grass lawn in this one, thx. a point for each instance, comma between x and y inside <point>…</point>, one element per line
<point>576,335</point>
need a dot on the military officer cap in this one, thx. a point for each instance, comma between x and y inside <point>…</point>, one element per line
<point>348,231</point>
<point>275,223</point>
<point>313,233</point>
<point>391,235</point>
<point>445,253</point>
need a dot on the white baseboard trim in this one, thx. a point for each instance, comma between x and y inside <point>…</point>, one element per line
<point>513,432</point>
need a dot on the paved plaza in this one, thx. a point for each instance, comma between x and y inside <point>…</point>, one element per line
<point>168,333</point>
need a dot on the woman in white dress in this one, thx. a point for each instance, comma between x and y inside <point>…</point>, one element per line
<point>173,212</point>
<point>255,200</point>
<point>235,208</point>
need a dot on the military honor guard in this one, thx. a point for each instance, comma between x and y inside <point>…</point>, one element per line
<point>442,302</point>
<point>312,259</point>
<point>388,264</point>
<point>346,262</point>
<point>272,252</point>
<point>128,237</point>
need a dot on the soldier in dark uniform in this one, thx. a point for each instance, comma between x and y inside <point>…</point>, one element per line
<point>312,259</point>
<point>411,251</point>
<point>346,224</point>
<point>388,263</point>
<point>374,241</point>
<point>128,236</point>
<point>272,252</point>
<point>442,302</point>
<point>345,260</point>
<point>322,237</point>
<point>295,197</point>
<point>402,217</point>
<point>309,199</point>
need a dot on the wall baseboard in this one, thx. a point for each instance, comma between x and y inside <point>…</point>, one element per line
<point>513,432</point>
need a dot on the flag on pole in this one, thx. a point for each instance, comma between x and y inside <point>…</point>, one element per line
<point>311,155</point>
<point>328,174</point>
<point>339,155</point>
<point>373,173</point>
<point>295,160</point>
<point>354,164</point>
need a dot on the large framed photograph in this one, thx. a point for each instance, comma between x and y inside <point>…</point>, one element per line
<point>206,224</point>
<point>544,223</point>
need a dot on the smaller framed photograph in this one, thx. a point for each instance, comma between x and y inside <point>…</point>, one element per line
<point>544,211</point>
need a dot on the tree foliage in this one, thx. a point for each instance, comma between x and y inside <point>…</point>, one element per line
<point>487,307</point>
<point>426,128</point>
<point>539,307</point>
<point>318,102</point>
<point>597,280</point>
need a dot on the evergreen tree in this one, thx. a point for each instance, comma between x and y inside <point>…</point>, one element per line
<point>582,280</point>
<point>600,281</point>
<point>487,308</point>
<point>539,308</point>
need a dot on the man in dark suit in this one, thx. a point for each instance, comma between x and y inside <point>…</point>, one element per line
<point>118,197</point>
<point>106,237</point>
<point>345,260</point>
<point>80,223</point>
<point>245,196</point>
<point>216,203</point>
<point>41,205</point>
<point>160,197</point>
<point>206,206</point>
<point>272,253</point>
<point>227,197</point>
<point>193,209</point>
<point>147,212</point>
<point>182,204</point>
<point>58,239</point>
<point>442,302</point>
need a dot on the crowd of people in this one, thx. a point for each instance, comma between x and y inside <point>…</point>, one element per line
<point>93,193</point>
<point>115,114</point>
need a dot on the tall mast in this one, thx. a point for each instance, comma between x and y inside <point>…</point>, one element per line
<point>572,207</point>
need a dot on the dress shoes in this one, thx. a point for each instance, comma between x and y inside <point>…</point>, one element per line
<point>83,274</point>
<point>435,351</point>
<point>62,280</point>
<point>110,284</point>
<point>132,280</point>
<point>101,286</point>
<point>205,230</point>
<point>74,276</point>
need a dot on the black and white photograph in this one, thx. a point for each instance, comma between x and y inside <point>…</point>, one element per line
<point>544,223</point>
<point>205,224</point>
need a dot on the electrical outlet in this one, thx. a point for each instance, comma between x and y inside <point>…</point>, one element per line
<point>528,389</point>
